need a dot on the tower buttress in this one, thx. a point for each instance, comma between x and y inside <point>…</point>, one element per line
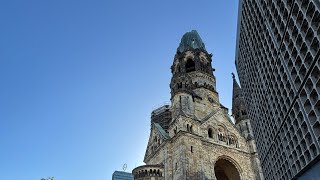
<point>239,111</point>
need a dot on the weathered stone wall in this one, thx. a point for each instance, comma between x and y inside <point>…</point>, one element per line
<point>192,154</point>
<point>202,141</point>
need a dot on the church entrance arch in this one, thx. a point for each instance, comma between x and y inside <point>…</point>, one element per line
<point>225,170</point>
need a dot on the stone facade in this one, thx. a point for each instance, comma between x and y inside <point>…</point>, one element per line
<point>201,141</point>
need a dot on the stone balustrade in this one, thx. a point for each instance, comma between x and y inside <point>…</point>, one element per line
<point>148,172</point>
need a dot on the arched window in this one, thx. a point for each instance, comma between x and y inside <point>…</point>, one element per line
<point>210,133</point>
<point>243,112</point>
<point>189,128</point>
<point>233,140</point>
<point>190,66</point>
<point>220,136</point>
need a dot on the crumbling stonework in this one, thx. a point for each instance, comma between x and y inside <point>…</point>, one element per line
<point>201,141</point>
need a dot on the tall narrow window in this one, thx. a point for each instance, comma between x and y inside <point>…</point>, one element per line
<point>210,133</point>
<point>190,66</point>
<point>191,149</point>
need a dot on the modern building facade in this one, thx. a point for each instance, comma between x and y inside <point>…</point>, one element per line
<point>277,60</point>
<point>120,175</point>
<point>199,141</point>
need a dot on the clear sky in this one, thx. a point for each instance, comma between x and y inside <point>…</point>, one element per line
<point>79,79</point>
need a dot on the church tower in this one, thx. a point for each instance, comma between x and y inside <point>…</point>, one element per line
<point>192,78</point>
<point>243,123</point>
<point>239,111</point>
<point>199,141</point>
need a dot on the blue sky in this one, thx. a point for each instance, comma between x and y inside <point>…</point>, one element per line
<point>80,78</point>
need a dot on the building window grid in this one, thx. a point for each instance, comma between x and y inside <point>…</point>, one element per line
<point>286,90</point>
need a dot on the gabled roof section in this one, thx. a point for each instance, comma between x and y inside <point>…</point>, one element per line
<point>161,131</point>
<point>191,40</point>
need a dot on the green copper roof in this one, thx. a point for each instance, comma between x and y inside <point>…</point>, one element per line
<point>161,130</point>
<point>191,39</point>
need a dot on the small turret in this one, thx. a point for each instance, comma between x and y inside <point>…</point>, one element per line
<point>243,124</point>
<point>239,111</point>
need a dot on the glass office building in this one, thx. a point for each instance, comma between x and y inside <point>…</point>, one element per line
<point>120,175</point>
<point>277,60</point>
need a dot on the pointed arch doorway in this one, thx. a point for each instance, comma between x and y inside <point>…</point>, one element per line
<point>225,170</point>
